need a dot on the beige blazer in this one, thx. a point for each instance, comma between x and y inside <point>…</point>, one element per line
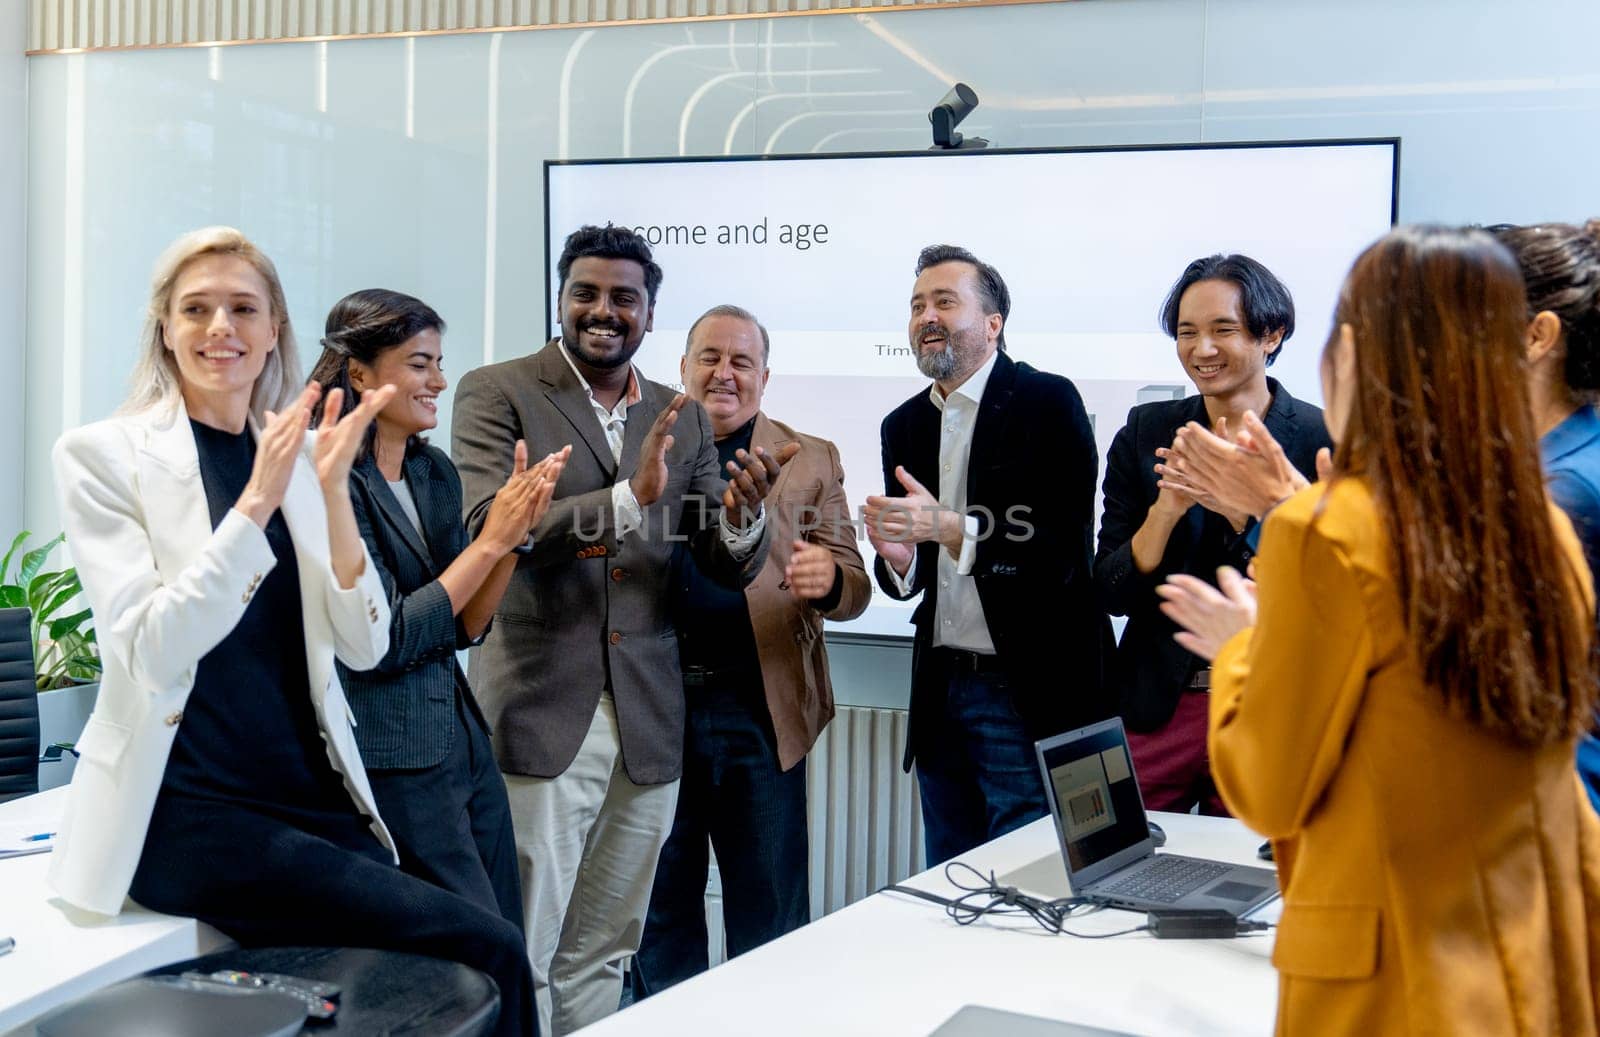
<point>1436,879</point>
<point>809,494</point>
<point>165,589</point>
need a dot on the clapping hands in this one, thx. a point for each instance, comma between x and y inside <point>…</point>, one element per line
<point>339,437</point>
<point>750,478</point>
<point>811,571</point>
<point>1239,476</point>
<point>1208,616</point>
<point>280,439</point>
<point>895,525</point>
<point>521,503</point>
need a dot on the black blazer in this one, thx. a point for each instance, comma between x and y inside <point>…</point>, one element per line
<point>1032,465</point>
<point>1151,669</point>
<point>405,706</point>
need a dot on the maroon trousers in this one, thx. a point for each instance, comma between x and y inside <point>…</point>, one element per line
<point>1173,765</point>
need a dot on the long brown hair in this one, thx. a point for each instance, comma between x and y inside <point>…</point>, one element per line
<point>1440,427</point>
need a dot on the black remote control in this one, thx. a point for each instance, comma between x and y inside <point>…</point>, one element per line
<point>319,1006</point>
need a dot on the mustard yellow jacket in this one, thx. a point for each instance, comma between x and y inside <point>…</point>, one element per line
<point>1436,879</point>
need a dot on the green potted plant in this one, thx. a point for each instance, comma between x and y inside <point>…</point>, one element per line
<point>66,655</point>
<point>64,648</point>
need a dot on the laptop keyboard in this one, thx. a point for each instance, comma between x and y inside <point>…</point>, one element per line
<point>1165,879</point>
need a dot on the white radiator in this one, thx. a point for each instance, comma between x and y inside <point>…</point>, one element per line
<point>865,819</point>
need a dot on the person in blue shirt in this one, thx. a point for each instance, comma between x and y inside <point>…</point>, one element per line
<point>1561,269</point>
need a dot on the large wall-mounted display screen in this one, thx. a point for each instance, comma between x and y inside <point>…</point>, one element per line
<point>822,250</point>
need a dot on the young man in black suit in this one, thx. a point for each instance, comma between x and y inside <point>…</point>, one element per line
<point>988,515</point>
<point>1229,317</point>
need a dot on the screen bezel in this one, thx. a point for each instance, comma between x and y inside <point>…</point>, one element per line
<point>1078,880</point>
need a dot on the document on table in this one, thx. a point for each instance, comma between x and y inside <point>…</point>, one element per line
<point>21,839</point>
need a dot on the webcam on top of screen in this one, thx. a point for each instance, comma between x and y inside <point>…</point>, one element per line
<point>947,115</point>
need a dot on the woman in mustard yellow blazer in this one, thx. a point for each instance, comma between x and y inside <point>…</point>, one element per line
<point>1399,711</point>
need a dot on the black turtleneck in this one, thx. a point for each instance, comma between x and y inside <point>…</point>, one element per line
<point>249,733</point>
<point>714,622</point>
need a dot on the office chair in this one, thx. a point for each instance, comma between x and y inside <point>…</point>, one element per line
<point>19,707</point>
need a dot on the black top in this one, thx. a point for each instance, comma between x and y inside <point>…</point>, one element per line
<point>1151,669</point>
<point>249,734</point>
<point>714,622</point>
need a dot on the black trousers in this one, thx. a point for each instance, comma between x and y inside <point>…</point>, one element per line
<point>266,882</point>
<point>452,822</point>
<point>735,793</point>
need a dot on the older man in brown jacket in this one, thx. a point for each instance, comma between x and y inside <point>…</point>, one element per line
<point>755,676</point>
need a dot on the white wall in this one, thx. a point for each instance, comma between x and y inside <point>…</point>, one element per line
<point>417,164</point>
<point>13,259</point>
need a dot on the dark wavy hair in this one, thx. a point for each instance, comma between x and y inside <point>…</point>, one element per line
<point>363,326</point>
<point>1441,429</point>
<point>608,242</point>
<point>1561,271</point>
<point>1266,301</point>
<point>992,290</point>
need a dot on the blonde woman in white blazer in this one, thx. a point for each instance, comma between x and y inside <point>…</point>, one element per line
<point>219,775</point>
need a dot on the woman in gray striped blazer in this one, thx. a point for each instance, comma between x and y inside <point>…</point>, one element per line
<point>422,737</point>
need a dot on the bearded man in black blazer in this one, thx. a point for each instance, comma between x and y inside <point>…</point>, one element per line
<point>989,516</point>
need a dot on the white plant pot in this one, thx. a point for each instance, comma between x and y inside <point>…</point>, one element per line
<point>62,714</point>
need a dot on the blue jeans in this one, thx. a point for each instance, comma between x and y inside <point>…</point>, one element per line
<point>976,768</point>
<point>735,794</point>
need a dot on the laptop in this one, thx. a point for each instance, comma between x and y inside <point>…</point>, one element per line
<point>981,1021</point>
<point>1105,837</point>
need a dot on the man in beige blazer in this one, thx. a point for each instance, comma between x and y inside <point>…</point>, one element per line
<point>755,676</point>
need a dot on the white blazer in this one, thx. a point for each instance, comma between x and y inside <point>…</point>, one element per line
<point>166,589</point>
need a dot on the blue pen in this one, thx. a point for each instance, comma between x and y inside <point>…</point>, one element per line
<point>41,837</point>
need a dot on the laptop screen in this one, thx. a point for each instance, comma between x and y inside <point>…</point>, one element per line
<point>1098,808</point>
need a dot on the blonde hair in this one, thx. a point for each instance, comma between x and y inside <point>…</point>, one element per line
<point>155,381</point>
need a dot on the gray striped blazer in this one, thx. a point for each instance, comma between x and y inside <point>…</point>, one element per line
<point>405,706</point>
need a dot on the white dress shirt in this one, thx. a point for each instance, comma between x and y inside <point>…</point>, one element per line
<point>630,516</point>
<point>958,615</point>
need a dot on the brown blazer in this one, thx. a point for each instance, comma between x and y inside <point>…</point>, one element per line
<point>1437,879</point>
<point>586,612</point>
<point>788,631</point>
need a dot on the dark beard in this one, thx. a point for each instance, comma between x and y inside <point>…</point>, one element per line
<point>608,362</point>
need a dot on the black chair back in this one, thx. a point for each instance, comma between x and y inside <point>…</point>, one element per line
<point>19,707</point>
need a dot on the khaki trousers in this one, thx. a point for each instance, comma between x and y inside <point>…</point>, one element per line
<point>587,843</point>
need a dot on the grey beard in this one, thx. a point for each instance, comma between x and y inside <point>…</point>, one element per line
<point>938,366</point>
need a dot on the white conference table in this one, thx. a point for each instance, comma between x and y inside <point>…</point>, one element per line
<point>892,964</point>
<point>62,953</point>
<point>889,964</point>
